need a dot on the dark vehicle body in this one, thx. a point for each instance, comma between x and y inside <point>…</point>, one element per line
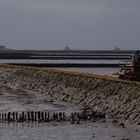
<point>130,71</point>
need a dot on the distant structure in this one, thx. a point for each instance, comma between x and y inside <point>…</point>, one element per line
<point>2,47</point>
<point>67,48</point>
<point>117,49</point>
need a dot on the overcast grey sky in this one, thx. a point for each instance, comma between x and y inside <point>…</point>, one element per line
<point>82,24</point>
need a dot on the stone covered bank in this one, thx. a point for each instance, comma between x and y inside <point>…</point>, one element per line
<point>118,99</point>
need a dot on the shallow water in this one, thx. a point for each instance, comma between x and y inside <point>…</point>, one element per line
<point>18,100</point>
<point>96,70</point>
<point>38,61</point>
<point>100,71</point>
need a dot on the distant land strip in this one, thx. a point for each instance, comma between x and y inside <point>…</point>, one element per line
<point>70,51</point>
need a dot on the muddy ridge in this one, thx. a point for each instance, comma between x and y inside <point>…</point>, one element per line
<point>116,98</point>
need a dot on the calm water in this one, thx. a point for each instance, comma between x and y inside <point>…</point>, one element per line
<point>100,71</point>
<point>58,61</point>
<point>104,71</point>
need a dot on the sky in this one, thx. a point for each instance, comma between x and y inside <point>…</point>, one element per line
<point>80,24</point>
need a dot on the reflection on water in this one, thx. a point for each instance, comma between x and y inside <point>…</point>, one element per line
<point>100,71</point>
<point>58,61</point>
<point>104,71</point>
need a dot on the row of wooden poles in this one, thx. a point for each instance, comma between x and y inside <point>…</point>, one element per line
<point>32,116</point>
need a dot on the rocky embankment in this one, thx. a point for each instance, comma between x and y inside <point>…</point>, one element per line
<point>118,99</point>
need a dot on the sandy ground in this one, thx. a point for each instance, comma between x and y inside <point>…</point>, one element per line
<point>18,100</point>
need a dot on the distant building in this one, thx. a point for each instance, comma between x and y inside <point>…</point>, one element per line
<point>117,49</point>
<point>67,48</point>
<point>2,47</point>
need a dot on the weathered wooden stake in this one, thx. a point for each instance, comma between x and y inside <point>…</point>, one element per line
<point>38,116</point>
<point>42,116</point>
<point>0,116</point>
<point>9,116</point>
<point>35,116</point>
<point>45,115</point>
<point>16,116</point>
<point>23,116</point>
<point>13,114</point>
<point>28,116</point>
<point>4,116</point>
<point>32,115</point>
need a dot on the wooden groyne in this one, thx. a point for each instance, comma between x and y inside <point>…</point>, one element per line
<point>31,116</point>
<point>40,116</point>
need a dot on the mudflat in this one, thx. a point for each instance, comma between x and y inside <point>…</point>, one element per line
<point>12,99</point>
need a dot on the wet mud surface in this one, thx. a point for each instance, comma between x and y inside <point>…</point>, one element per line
<point>18,100</point>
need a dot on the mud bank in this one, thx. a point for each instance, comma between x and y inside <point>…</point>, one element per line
<point>118,99</point>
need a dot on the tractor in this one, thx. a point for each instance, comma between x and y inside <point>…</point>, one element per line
<point>130,70</point>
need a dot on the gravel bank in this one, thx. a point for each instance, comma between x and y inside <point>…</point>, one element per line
<point>118,99</point>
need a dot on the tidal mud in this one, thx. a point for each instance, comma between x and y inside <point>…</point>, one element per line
<point>19,100</point>
<point>12,99</point>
